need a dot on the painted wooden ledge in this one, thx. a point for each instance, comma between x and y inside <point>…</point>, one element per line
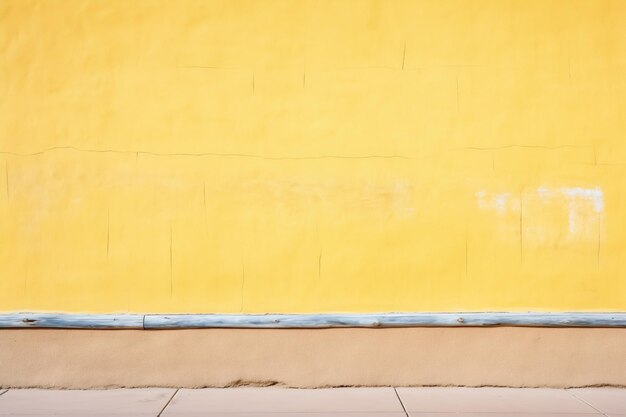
<point>72,321</point>
<point>384,320</point>
<point>307,321</point>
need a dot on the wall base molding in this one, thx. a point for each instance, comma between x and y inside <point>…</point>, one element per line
<point>306,321</point>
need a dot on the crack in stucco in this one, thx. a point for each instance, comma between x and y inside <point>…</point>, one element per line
<point>287,157</point>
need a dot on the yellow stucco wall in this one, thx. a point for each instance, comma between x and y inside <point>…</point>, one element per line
<point>312,156</point>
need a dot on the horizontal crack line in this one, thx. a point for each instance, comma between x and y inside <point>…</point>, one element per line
<point>496,148</point>
<point>201,154</point>
<point>274,158</point>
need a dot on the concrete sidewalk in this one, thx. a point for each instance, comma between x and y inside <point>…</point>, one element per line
<point>335,402</point>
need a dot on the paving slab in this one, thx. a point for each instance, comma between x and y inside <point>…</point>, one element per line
<point>411,414</point>
<point>94,413</point>
<point>290,414</point>
<point>491,400</point>
<point>190,402</point>
<point>336,402</point>
<point>114,402</point>
<point>606,400</point>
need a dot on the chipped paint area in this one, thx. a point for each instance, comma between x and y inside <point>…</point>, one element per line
<point>547,214</point>
<point>582,203</point>
<point>395,197</point>
<point>499,202</point>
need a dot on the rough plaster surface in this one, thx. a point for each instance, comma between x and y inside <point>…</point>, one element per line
<point>313,358</point>
<point>309,156</point>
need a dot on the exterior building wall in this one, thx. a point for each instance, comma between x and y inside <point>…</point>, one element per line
<point>313,157</point>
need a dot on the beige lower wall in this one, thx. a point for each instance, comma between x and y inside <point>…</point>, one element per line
<point>313,358</point>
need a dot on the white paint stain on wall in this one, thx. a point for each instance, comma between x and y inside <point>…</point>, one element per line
<point>582,206</point>
<point>500,202</point>
<point>579,202</point>
<point>593,195</point>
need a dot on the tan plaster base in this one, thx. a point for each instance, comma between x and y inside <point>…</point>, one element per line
<point>312,358</point>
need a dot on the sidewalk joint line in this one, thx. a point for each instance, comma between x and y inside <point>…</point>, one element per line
<point>168,402</point>
<point>401,403</point>
<point>581,399</point>
<point>2,392</point>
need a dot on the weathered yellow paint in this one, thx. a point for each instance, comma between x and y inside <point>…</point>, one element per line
<point>312,156</point>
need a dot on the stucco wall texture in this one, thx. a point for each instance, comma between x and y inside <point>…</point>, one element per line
<point>312,156</point>
<point>522,357</point>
